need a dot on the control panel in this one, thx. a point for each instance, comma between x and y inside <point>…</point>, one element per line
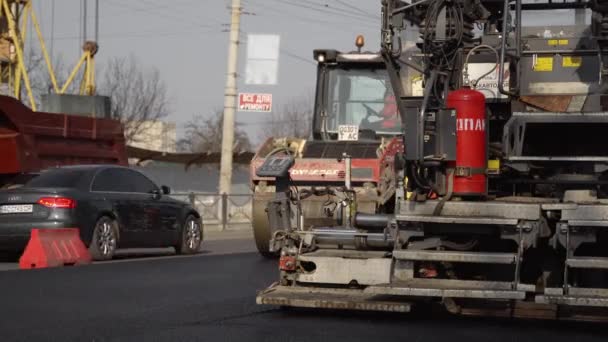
<point>276,166</point>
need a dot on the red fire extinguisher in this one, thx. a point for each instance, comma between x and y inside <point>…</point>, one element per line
<point>470,177</point>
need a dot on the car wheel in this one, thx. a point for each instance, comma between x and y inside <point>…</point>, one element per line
<point>191,236</point>
<point>105,239</point>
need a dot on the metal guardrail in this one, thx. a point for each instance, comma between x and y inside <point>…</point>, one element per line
<point>220,209</point>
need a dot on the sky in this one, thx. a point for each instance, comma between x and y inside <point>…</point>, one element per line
<point>187,41</point>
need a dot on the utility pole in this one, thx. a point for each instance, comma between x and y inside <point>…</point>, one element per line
<point>230,101</point>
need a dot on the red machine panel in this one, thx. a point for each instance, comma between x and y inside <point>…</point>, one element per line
<point>32,141</point>
<point>333,170</point>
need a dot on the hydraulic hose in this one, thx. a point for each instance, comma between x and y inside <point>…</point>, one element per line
<point>466,63</point>
<point>448,196</point>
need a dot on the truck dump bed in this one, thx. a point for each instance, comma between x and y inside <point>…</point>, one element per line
<point>32,141</point>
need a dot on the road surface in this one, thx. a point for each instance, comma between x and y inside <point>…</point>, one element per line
<point>216,242</point>
<point>211,297</point>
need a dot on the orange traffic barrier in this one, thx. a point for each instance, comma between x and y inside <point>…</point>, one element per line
<point>54,248</point>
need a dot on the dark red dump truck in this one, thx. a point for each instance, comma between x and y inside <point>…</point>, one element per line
<point>32,141</point>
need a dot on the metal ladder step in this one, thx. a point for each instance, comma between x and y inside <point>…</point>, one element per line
<point>452,288</point>
<point>327,298</point>
<point>465,257</point>
<point>457,220</point>
<point>587,262</point>
<point>576,297</point>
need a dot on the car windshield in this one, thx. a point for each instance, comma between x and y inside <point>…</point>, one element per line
<point>362,97</point>
<point>58,178</point>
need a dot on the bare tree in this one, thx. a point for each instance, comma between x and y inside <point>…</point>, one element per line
<point>204,134</point>
<point>36,70</point>
<point>294,119</point>
<point>40,79</point>
<point>38,75</point>
<point>138,95</point>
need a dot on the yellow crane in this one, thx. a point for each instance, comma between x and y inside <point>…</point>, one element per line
<point>14,77</point>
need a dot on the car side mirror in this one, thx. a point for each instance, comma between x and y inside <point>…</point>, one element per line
<point>156,193</point>
<point>165,190</point>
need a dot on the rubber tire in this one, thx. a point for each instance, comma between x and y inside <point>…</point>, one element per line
<point>182,247</point>
<point>94,250</point>
<point>262,241</point>
<point>261,230</point>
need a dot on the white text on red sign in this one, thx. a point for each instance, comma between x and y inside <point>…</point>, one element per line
<point>255,102</point>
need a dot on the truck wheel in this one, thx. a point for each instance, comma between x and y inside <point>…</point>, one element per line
<point>261,229</point>
<point>105,239</point>
<point>191,236</point>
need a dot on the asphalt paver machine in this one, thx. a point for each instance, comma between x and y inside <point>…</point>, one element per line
<point>501,189</point>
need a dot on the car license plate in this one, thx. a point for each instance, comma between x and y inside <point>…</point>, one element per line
<point>16,209</point>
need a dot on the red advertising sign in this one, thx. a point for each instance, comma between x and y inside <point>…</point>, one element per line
<point>255,102</point>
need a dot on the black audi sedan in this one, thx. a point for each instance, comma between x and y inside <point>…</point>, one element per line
<point>113,206</point>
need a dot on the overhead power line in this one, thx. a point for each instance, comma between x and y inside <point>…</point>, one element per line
<point>186,8</point>
<point>285,14</point>
<point>146,34</point>
<point>297,57</point>
<point>325,9</point>
<point>288,53</point>
<point>358,9</point>
<point>162,15</point>
<point>345,8</point>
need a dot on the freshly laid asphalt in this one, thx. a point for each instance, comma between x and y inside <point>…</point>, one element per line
<point>211,297</point>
